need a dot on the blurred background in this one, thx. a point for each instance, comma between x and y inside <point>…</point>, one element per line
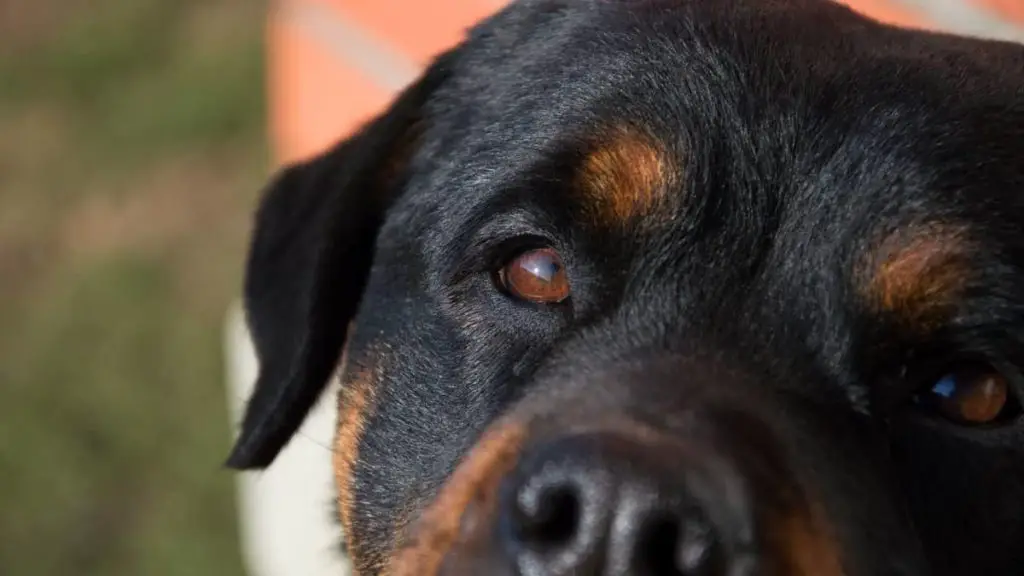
<point>132,147</point>
<point>135,136</point>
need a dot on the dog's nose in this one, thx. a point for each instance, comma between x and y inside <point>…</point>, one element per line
<point>608,505</point>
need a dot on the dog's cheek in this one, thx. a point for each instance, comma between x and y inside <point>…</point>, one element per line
<point>967,498</point>
<point>802,544</point>
<point>463,505</point>
<point>356,403</point>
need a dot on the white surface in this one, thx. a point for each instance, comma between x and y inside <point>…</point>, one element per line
<point>286,512</point>
<point>350,44</point>
<point>963,17</point>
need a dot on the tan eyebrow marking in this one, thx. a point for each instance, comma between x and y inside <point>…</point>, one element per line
<point>917,273</point>
<point>624,175</point>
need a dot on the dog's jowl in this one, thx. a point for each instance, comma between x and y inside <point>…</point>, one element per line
<point>664,287</point>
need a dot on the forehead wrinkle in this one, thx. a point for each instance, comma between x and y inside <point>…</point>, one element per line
<point>525,197</point>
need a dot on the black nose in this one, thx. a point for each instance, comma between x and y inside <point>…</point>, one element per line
<point>608,505</point>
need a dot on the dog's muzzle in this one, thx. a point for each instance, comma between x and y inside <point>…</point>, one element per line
<point>605,503</point>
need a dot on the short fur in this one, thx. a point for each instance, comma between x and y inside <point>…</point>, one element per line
<point>822,181</point>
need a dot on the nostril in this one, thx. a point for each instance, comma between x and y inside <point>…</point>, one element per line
<point>655,553</point>
<point>548,516</point>
<point>668,546</point>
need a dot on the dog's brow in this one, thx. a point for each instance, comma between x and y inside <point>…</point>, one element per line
<point>624,175</point>
<point>917,273</point>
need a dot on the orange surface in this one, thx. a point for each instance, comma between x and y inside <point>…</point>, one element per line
<point>1009,9</point>
<point>888,11</point>
<point>317,95</point>
<point>418,29</point>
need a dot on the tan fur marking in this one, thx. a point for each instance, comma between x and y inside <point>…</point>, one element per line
<point>354,403</point>
<point>805,546</point>
<point>918,273</point>
<point>471,489</point>
<point>624,176</point>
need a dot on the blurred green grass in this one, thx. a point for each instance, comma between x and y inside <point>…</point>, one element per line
<point>131,156</point>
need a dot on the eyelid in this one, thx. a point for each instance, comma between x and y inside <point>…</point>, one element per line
<point>923,366</point>
<point>926,379</point>
<point>486,246</point>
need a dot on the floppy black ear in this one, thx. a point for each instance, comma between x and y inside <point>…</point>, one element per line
<point>308,264</point>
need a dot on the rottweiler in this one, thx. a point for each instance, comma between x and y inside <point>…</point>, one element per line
<point>664,287</point>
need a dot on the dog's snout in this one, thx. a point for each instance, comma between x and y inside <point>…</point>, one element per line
<point>607,504</point>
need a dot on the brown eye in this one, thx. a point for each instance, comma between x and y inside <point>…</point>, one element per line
<point>536,276</point>
<point>971,396</point>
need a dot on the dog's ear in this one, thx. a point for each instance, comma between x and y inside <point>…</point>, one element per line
<point>308,263</point>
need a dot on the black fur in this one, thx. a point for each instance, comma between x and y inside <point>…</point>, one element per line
<point>803,133</point>
<point>311,253</point>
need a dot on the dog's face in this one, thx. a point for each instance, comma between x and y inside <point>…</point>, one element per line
<point>665,288</point>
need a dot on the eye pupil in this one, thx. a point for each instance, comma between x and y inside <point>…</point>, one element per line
<point>536,276</point>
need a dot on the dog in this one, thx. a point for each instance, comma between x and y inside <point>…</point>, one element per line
<point>663,287</point>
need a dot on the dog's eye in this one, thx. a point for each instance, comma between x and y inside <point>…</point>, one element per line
<point>536,276</point>
<point>975,395</point>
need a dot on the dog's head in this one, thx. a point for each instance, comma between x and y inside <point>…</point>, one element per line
<point>664,288</point>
